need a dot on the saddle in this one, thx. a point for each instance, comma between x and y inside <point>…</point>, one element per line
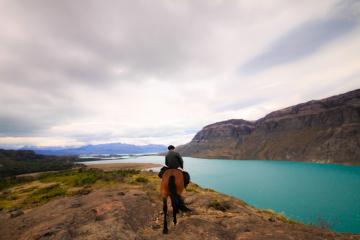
<point>185,174</point>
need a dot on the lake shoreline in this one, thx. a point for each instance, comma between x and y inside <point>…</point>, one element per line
<point>279,160</point>
<point>126,204</point>
<point>325,189</point>
<point>121,166</point>
<point>99,159</point>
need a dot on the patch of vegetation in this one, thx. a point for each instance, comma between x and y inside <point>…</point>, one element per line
<point>280,216</point>
<point>149,179</point>
<point>42,188</point>
<point>221,206</point>
<point>209,190</point>
<point>12,181</point>
<point>190,189</point>
<point>141,180</point>
<point>84,176</point>
<point>7,195</point>
<point>26,190</point>
<point>44,195</point>
<point>291,221</point>
<point>194,184</point>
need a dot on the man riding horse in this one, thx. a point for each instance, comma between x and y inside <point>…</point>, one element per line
<point>173,159</point>
<point>172,185</point>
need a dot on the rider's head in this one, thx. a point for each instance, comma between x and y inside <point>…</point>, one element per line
<point>171,147</point>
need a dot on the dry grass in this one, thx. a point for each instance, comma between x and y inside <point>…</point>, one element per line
<point>47,186</point>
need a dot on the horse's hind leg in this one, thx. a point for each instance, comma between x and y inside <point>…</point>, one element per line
<point>165,230</point>
<point>182,206</point>
<point>174,217</point>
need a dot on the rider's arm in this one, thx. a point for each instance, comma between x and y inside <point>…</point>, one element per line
<point>181,161</point>
<point>166,161</point>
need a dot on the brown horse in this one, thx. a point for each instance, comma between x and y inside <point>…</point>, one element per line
<point>172,185</point>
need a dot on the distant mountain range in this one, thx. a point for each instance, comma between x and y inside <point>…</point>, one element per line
<point>108,148</point>
<point>326,130</point>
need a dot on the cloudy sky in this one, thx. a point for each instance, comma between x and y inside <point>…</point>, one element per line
<point>140,71</point>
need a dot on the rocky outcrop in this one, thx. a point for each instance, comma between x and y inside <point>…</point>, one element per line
<point>219,139</point>
<point>326,130</point>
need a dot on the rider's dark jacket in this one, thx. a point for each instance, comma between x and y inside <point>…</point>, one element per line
<point>173,159</point>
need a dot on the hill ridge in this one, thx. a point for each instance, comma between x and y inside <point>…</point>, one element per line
<point>325,130</point>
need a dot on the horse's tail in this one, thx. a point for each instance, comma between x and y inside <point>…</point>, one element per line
<point>175,198</point>
<point>176,201</point>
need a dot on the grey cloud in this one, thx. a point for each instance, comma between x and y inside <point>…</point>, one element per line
<point>192,130</point>
<point>304,40</point>
<point>25,113</point>
<point>144,37</point>
<point>133,132</point>
<point>160,131</point>
<point>49,50</point>
<point>15,126</point>
<point>149,39</point>
<point>47,47</point>
<point>334,88</point>
<point>89,137</point>
<point>240,104</point>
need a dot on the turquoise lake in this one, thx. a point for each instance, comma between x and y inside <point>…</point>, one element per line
<point>308,192</point>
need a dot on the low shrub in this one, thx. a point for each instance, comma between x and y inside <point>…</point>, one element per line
<point>44,195</point>
<point>12,181</point>
<point>190,189</point>
<point>141,180</point>
<point>221,206</point>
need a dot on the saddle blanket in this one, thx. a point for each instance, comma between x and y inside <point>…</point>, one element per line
<point>186,175</point>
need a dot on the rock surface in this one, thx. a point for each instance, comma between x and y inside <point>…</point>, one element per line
<point>133,211</point>
<point>326,130</point>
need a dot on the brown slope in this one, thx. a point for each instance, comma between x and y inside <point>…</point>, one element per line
<point>132,211</point>
<point>326,130</point>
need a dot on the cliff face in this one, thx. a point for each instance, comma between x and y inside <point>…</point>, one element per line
<point>219,139</point>
<point>326,130</point>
